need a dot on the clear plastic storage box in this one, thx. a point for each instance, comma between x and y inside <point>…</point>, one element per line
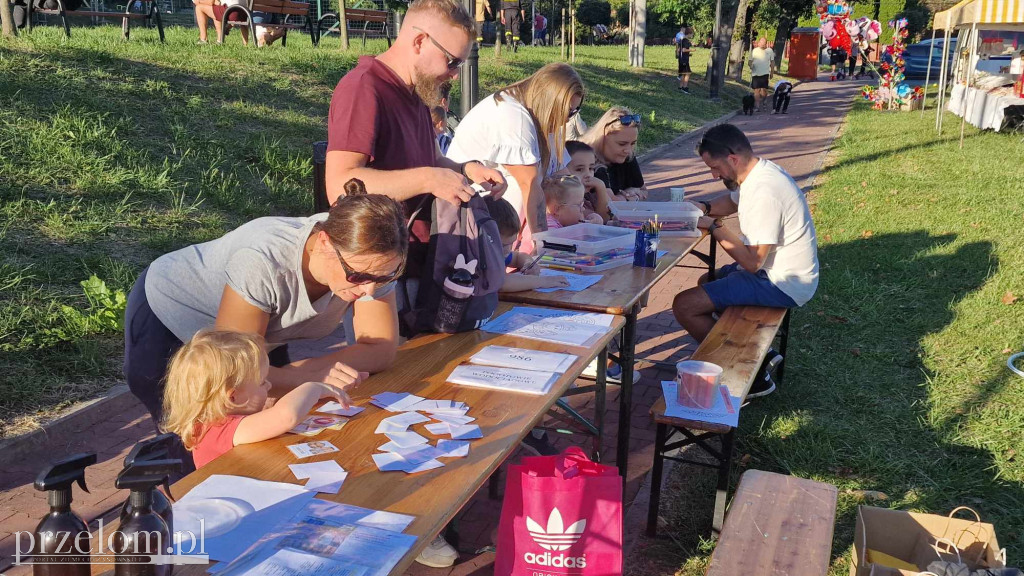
<point>676,218</point>
<point>586,247</point>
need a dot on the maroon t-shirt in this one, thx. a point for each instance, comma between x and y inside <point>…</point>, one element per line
<point>373,112</point>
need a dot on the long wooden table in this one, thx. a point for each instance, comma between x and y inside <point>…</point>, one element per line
<point>435,496</point>
<point>621,292</point>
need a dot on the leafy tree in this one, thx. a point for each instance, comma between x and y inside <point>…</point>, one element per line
<point>594,12</point>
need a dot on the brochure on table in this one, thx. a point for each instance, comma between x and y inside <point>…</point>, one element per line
<point>550,329</point>
<point>505,379</point>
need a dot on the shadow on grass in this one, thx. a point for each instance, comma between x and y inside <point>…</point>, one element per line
<point>856,409</point>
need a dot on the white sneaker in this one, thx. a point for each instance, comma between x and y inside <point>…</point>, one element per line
<point>438,554</point>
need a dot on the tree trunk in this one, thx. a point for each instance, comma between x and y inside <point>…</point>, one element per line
<point>781,36</point>
<point>7,19</point>
<point>728,17</point>
<point>737,51</point>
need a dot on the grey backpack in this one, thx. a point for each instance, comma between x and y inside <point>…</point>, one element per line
<point>464,270</point>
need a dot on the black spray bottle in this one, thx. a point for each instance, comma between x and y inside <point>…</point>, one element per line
<point>158,448</point>
<point>61,545</point>
<point>143,534</point>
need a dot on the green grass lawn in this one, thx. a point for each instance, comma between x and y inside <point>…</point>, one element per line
<point>897,381</point>
<point>114,152</point>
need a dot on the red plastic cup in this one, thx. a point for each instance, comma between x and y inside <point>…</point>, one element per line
<point>698,383</point>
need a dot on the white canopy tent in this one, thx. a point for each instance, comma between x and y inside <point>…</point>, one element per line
<point>968,17</point>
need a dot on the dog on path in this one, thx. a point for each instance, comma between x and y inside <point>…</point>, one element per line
<point>748,105</point>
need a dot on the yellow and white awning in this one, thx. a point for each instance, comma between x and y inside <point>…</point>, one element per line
<point>984,13</point>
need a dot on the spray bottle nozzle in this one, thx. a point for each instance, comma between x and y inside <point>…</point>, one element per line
<point>158,448</point>
<point>147,474</point>
<point>63,473</point>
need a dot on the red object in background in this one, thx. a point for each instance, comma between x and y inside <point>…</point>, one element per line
<point>803,53</point>
<point>1020,86</point>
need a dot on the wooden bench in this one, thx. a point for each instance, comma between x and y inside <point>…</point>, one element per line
<point>283,7</point>
<point>738,343</point>
<point>126,17</point>
<point>356,16</point>
<point>777,525</point>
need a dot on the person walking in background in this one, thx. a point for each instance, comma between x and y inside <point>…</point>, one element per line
<point>512,16</point>
<point>762,67</point>
<point>780,99</point>
<point>854,54</point>
<point>540,30</point>
<point>683,47</point>
<point>483,7</point>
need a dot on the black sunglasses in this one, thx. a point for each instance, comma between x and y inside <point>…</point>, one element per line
<point>629,119</point>
<point>453,62</point>
<point>575,111</point>
<point>359,278</point>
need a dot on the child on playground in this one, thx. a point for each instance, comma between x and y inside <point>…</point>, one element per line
<point>583,164</point>
<point>521,276</point>
<point>216,395</point>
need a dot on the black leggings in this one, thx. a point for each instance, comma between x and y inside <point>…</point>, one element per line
<point>148,348</point>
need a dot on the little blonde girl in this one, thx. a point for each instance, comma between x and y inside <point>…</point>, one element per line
<point>216,395</point>
<point>564,201</point>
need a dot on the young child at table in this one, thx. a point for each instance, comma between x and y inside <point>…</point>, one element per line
<point>439,117</point>
<point>216,395</point>
<point>563,197</point>
<point>519,276</point>
<point>582,164</point>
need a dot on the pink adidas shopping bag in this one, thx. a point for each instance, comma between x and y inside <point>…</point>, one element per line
<point>562,515</point>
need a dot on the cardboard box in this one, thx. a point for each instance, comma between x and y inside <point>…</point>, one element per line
<point>906,536</point>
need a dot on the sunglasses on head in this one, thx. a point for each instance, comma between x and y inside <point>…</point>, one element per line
<point>453,62</point>
<point>359,278</point>
<point>629,119</point>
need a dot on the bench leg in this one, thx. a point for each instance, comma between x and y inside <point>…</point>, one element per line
<point>599,404</point>
<point>126,22</point>
<point>780,372</point>
<point>722,493</point>
<point>660,437</point>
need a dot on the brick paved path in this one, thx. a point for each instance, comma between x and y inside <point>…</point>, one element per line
<point>797,141</point>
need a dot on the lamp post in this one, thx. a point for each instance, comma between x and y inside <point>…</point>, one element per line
<point>716,54</point>
<point>470,72</point>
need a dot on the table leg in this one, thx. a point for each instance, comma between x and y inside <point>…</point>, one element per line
<point>722,493</point>
<point>712,255</point>
<point>599,404</point>
<point>627,349</point>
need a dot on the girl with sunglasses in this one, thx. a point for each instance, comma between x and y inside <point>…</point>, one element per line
<point>520,130</point>
<point>613,139</point>
<point>284,279</point>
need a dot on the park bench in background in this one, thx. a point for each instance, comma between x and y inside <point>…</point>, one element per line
<point>738,343</point>
<point>152,13</point>
<point>331,21</point>
<point>776,525</point>
<point>286,8</point>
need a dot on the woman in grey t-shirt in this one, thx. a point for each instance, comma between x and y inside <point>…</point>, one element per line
<point>284,278</point>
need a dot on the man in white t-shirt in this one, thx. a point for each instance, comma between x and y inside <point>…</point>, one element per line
<point>776,252</point>
<point>762,67</point>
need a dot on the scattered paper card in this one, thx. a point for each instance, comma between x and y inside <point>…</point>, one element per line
<point>438,428</point>
<point>447,406</point>
<point>312,425</point>
<point>453,448</point>
<point>507,379</point>
<point>725,410</point>
<point>303,471</point>
<point>400,423</point>
<point>392,462</point>
<point>577,282</point>
<point>406,439</point>
<point>467,432</point>
<point>452,418</point>
<point>395,401</point>
<point>505,357</point>
<point>312,449</point>
<point>325,477</point>
<point>335,408</point>
<point>417,454</point>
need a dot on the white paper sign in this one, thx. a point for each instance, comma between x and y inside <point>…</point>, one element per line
<point>506,379</point>
<point>506,357</point>
<point>544,329</point>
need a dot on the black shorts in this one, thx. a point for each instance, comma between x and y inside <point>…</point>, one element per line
<point>684,66</point>
<point>759,82</point>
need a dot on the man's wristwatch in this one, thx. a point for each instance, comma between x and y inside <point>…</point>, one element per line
<point>706,205</point>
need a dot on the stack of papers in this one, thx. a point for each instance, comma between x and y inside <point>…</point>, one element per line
<point>725,410</point>
<point>335,408</point>
<point>506,379</point>
<point>551,329</point>
<point>410,452</point>
<point>505,357</point>
<point>325,477</point>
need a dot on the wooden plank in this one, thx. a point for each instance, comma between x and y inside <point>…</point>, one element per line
<point>433,497</point>
<point>777,524</point>
<point>738,343</point>
<point>619,288</point>
<point>132,15</point>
